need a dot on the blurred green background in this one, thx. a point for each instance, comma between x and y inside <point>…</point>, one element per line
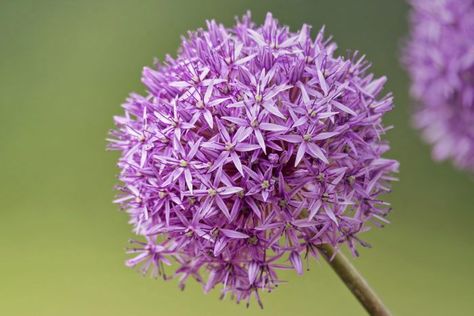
<point>65,68</point>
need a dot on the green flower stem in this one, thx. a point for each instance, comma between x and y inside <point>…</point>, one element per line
<point>354,281</point>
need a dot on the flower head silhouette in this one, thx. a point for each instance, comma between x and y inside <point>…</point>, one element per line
<point>251,148</point>
<point>439,57</point>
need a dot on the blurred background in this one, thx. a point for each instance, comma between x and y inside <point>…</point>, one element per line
<point>65,68</point>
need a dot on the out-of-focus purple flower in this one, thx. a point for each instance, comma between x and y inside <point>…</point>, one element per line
<point>439,57</point>
<point>251,148</point>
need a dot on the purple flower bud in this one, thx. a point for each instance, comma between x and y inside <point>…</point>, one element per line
<point>251,148</point>
<point>439,57</point>
<point>273,158</point>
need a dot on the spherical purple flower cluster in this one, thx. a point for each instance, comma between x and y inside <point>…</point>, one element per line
<point>439,57</point>
<point>251,148</point>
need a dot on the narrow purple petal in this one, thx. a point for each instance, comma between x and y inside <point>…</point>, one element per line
<point>315,151</point>
<point>300,153</point>
<point>273,127</point>
<point>234,234</point>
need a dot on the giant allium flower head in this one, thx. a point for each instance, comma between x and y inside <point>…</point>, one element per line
<point>251,148</point>
<point>439,57</point>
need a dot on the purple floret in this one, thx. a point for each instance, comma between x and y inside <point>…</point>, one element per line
<point>251,148</point>
<point>439,57</point>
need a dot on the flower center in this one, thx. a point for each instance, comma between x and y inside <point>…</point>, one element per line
<point>212,192</point>
<point>231,128</point>
<point>265,184</point>
<point>279,102</point>
<point>200,104</point>
<point>325,197</point>
<point>352,179</point>
<point>304,213</point>
<point>253,240</point>
<point>162,194</point>
<point>307,137</point>
<point>229,146</point>
<point>258,98</point>
<point>183,163</point>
